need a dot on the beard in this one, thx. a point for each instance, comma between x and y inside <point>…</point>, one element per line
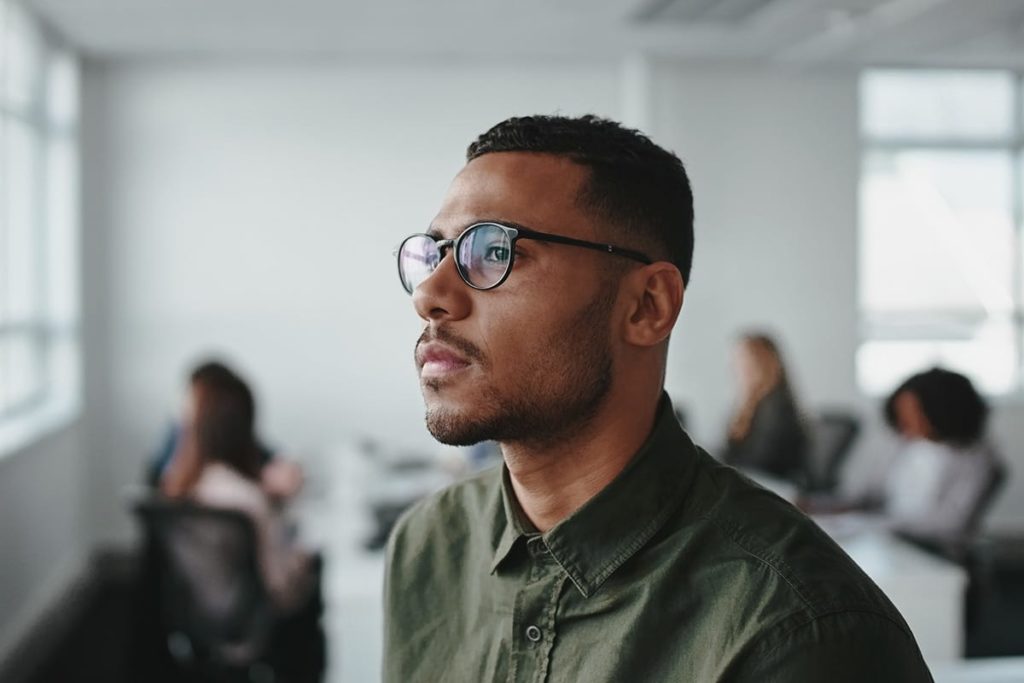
<point>558,389</point>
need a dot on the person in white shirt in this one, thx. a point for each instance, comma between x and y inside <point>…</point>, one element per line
<point>938,482</point>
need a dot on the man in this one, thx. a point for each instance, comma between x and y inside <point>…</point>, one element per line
<point>608,547</point>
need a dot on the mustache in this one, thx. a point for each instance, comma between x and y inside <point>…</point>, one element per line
<point>444,335</point>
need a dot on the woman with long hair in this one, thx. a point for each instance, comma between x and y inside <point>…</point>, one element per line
<point>766,432</point>
<point>219,464</point>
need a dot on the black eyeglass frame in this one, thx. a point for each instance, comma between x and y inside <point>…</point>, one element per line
<point>514,234</point>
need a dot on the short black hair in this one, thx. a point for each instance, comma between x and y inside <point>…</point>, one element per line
<point>634,184</point>
<point>955,410</point>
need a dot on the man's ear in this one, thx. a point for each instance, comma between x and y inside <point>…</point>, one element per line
<point>655,295</point>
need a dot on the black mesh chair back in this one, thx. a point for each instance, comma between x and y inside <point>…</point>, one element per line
<point>833,436</point>
<point>997,478</point>
<point>968,546</point>
<point>204,563</point>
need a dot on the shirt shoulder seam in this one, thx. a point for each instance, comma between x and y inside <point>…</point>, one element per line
<point>766,561</point>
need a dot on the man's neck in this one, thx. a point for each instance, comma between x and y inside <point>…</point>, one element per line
<point>553,481</point>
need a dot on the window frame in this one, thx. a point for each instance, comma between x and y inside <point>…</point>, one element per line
<point>54,337</point>
<point>1013,146</point>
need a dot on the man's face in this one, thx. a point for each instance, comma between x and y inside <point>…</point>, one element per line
<point>532,359</point>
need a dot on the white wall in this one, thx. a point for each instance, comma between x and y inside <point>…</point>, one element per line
<point>253,209</point>
<point>774,163</point>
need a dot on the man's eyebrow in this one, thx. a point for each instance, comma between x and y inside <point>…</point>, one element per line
<point>433,232</point>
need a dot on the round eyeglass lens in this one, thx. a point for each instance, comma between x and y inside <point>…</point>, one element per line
<point>417,259</point>
<point>485,253</point>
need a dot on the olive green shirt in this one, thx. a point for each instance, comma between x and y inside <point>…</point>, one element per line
<point>681,569</point>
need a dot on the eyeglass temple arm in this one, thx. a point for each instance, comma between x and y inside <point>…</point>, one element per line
<point>606,248</point>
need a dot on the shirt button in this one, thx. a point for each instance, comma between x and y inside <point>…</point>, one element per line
<point>533,633</point>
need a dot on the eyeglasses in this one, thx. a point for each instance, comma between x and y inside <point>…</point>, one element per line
<point>484,254</point>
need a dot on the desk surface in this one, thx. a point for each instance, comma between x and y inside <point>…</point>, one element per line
<point>880,554</point>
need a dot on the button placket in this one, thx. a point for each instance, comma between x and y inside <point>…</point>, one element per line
<point>549,628</point>
<point>534,623</point>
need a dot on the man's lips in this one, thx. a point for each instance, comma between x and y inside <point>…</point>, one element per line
<point>437,360</point>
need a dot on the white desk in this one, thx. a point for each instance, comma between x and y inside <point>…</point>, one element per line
<point>336,521</point>
<point>928,591</point>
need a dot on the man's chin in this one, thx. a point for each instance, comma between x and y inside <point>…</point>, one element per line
<point>454,427</point>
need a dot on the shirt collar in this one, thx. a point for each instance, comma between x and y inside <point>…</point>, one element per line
<point>613,525</point>
<point>512,522</point>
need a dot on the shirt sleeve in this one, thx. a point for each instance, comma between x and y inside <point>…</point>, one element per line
<point>844,647</point>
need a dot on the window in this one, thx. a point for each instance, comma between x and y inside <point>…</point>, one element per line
<point>39,330</point>
<point>940,219</point>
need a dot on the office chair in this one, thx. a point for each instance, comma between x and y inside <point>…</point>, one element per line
<point>833,436</point>
<point>994,600</point>
<point>214,613</point>
<point>997,479</point>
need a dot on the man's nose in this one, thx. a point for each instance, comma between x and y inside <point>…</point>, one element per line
<point>443,295</point>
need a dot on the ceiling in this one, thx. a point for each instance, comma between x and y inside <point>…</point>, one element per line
<point>799,32</point>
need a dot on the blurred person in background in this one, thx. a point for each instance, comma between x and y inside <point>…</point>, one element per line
<point>946,465</point>
<point>219,464</point>
<point>279,477</point>
<point>766,432</point>
<point>945,471</point>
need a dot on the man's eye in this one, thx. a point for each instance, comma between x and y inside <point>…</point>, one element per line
<point>497,254</point>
